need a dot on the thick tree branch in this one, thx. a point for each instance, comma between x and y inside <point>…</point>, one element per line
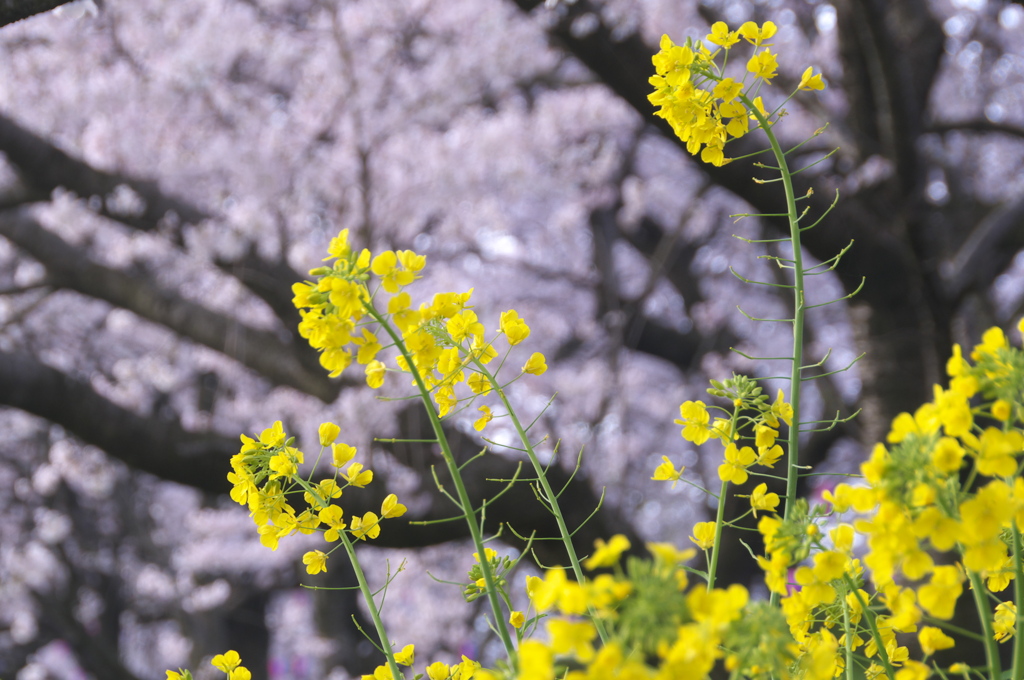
<point>16,10</point>
<point>158,447</point>
<point>44,167</point>
<point>988,251</point>
<point>262,351</point>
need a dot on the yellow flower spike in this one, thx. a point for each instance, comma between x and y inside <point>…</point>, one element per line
<point>704,535</point>
<point>328,433</point>
<point>357,476</point>
<point>391,508</point>
<point>407,656</point>
<point>536,364</point>
<point>315,561</point>
<point>667,472</point>
<point>811,82</point>
<point>482,421</point>
<point>341,454</point>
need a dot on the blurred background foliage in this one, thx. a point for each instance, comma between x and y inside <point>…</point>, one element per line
<point>168,170</point>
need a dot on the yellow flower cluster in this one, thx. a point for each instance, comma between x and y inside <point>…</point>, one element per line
<point>948,482</point>
<point>441,342</point>
<point>265,472</point>
<point>658,627</point>
<point>706,108</point>
<point>229,662</point>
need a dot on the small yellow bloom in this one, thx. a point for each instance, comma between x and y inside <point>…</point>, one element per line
<point>761,500</point>
<point>811,82</point>
<point>932,639</point>
<point>227,662</point>
<point>704,535</point>
<point>607,554</point>
<point>391,507</point>
<point>367,526</point>
<point>694,419</point>
<point>757,36</point>
<point>375,372</point>
<point>517,619</point>
<point>485,418</point>
<point>438,671</point>
<point>357,476</point>
<point>407,656</point>
<point>315,562</point>
<point>668,472</point>
<point>341,454</point>
<point>721,35</point>
<point>328,433</point>
<point>535,364</point>
<point>514,328</point>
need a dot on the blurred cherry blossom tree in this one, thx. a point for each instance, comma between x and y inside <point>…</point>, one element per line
<point>169,169</point>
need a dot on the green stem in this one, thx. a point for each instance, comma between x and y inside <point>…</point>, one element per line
<point>549,495</point>
<point>1018,596</point>
<point>460,487</point>
<point>719,520</point>
<point>848,639</point>
<point>985,616</point>
<point>869,616</point>
<point>364,588</point>
<point>799,308</point>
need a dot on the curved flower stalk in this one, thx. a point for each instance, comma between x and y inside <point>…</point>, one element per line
<point>707,108</point>
<point>357,311</point>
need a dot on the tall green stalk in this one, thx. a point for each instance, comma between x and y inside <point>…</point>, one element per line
<point>465,503</point>
<point>549,496</point>
<point>378,623</point>
<point>799,307</point>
